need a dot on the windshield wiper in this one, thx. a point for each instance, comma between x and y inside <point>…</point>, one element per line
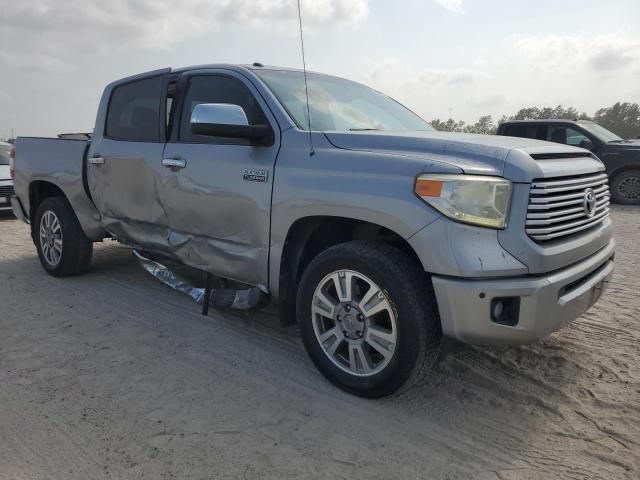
<point>618,141</point>
<point>364,129</point>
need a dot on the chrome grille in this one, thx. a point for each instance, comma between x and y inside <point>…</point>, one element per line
<point>557,206</point>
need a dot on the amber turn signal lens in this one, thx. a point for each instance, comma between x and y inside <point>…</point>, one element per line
<point>428,188</point>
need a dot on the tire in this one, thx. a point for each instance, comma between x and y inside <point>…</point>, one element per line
<point>625,187</point>
<point>63,248</point>
<point>364,352</point>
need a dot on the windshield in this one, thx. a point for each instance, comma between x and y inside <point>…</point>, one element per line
<point>600,132</point>
<point>4,154</point>
<point>336,104</point>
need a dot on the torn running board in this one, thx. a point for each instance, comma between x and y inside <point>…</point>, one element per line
<point>237,299</point>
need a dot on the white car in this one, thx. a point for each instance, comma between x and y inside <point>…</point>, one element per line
<point>6,183</point>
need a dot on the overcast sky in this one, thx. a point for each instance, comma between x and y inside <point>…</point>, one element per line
<point>471,56</point>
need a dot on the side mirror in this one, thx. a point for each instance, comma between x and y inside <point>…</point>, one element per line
<point>228,120</point>
<point>588,144</point>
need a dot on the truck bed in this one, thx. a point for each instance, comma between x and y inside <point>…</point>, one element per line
<point>55,161</point>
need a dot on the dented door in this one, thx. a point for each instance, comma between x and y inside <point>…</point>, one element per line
<point>121,159</point>
<point>217,191</point>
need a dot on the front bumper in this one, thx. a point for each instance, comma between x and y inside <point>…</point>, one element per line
<point>542,304</point>
<point>6,192</point>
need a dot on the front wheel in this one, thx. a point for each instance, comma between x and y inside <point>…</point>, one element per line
<point>62,246</point>
<point>368,318</point>
<point>625,187</point>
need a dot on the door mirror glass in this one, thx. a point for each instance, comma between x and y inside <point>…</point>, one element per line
<point>218,114</point>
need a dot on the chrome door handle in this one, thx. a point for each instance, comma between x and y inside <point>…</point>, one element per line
<point>96,160</point>
<point>174,162</point>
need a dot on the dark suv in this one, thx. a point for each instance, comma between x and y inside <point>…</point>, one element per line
<point>621,157</point>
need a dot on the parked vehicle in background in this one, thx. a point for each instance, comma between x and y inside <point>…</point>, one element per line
<point>621,157</point>
<point>372,230</point>
<point>6,182</point>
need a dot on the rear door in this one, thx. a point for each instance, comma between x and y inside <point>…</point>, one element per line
<point>120,162</point>
<point>217,191</point>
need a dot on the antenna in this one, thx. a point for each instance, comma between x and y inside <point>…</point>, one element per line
<point>306,87</point>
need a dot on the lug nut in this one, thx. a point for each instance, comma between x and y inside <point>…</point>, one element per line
<point>338,318</point>
<point>348,308</point>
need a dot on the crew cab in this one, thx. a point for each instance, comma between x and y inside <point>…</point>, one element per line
<point>376,233</point>
<point>621,157</point>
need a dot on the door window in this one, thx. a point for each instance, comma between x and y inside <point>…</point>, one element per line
<point>566,135</point>
<point>525,131</point>
<point>576,138</point>
<point>218,89</point>
<point>134,111</point>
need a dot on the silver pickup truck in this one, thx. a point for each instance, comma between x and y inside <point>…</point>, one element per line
<point>374,232</point>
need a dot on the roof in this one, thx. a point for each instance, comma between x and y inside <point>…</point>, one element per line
<point>254,66</point>
<point>550,120</point>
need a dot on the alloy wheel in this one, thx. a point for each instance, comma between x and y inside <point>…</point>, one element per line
<point>354,322</point>
<point>629,188</point>
<point>51,238</point>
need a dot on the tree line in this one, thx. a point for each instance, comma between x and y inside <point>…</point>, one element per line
<point>621,118</point>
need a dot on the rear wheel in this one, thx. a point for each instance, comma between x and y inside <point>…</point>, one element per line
<point>368,318</point>
<point>62,246</point>
<point>625,187</point>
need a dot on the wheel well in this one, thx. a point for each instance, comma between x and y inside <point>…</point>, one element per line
<point>620,170</point>
<point>310,236</point>
<point>38,192</point>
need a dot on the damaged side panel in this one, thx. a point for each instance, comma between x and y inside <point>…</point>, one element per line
<point>218,202</point>
<point>219,221</point>
<point>203,201</point>
<point>125,193</point>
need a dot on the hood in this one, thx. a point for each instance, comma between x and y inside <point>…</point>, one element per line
<point>4,172</point>
<point>628,146</point>
<point>474,154</point>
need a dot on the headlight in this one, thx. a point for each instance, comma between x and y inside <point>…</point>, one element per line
<point>474,199</point>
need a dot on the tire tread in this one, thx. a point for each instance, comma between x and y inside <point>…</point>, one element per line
<point>420,299</point>
<point>77,248</point>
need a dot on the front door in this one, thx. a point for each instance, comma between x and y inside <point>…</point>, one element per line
<point>569,136</point>
<point>121,159</point>
<point>217,191</point>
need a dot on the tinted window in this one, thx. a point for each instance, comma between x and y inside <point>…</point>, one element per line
<point>565,135</point>
<point>218,89</point>
<point>525,131</point>
<point>576,138</point>
<point>4,154</point>
<point>134,111</point>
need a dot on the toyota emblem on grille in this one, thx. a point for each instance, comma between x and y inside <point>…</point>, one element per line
<point>589,202</point>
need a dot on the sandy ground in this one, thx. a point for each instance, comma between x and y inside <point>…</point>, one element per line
<point>113,375</point>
